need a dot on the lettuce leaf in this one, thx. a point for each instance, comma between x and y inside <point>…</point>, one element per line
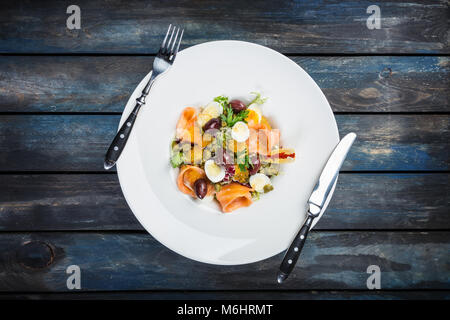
<point>177,159</point>
<point>258,99</point>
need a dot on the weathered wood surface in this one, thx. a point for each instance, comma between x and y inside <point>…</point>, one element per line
<point>130,261</point>
<point>289,26</point>
<point>48,163</point>
<point>103,84</point>
<point>235,295</point>
<point>43,202</point>
<point>78,142</point>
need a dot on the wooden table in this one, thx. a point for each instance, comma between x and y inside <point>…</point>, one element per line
<point>62,93</point>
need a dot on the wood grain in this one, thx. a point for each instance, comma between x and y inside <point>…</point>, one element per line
<point>129,261</point>
<point>397,142</point>
<point>104,84</point>
<point>51,164</point>
<point>44,202</point>
<point>78,142</point>
<point>382,84</point>
<point>288,26</point>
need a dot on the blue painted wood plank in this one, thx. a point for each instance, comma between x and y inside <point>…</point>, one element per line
<point>397,142</point>
<point>103,84</point>
<point>78,142</point>
<point>36,262</point>
<point>42,202</point>
<point>416,26</point>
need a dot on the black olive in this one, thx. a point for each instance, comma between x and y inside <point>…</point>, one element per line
<point>237,106</point>
<point>256,165</point>
<point>214,123</point>
<point>200,188</point>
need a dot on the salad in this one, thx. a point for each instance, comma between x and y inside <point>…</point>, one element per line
<point>227,151</point>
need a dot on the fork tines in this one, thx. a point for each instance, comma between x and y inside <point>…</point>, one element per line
<point>169,48</point>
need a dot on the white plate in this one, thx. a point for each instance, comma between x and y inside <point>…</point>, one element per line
<point>295,105</point>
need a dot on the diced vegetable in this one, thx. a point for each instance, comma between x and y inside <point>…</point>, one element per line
<point>177,159</point>
<point>255,195</point>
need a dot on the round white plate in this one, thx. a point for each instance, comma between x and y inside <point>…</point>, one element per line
<point>295,105</point>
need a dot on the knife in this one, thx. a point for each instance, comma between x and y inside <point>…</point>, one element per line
<point>319,196</point>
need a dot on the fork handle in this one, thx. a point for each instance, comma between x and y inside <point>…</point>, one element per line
<point>120,140</point>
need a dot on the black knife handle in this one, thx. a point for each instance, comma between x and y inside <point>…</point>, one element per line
<point>120,140</point>
<point>292,254</point>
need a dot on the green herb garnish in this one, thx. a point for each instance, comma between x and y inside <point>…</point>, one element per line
<point>230,118</point>
<point>240,117</point>
<point>227,115</point>
<point>222,100</point>
<point>244,161</point>
<point>258,99</point>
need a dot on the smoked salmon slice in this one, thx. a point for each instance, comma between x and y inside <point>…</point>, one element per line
<point>187,177</point>
<point>187,130</point>
<point>263,141</point>
<point>234,196</point>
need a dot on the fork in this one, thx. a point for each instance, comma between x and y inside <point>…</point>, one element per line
<point>163,61</point>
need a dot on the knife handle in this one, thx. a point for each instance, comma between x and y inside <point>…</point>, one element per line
<point>120,140</point>
<point>292,254</point>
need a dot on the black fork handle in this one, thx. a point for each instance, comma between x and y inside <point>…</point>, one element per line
<point>120,140</point>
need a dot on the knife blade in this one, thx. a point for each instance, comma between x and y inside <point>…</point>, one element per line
<point>319,196</point>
